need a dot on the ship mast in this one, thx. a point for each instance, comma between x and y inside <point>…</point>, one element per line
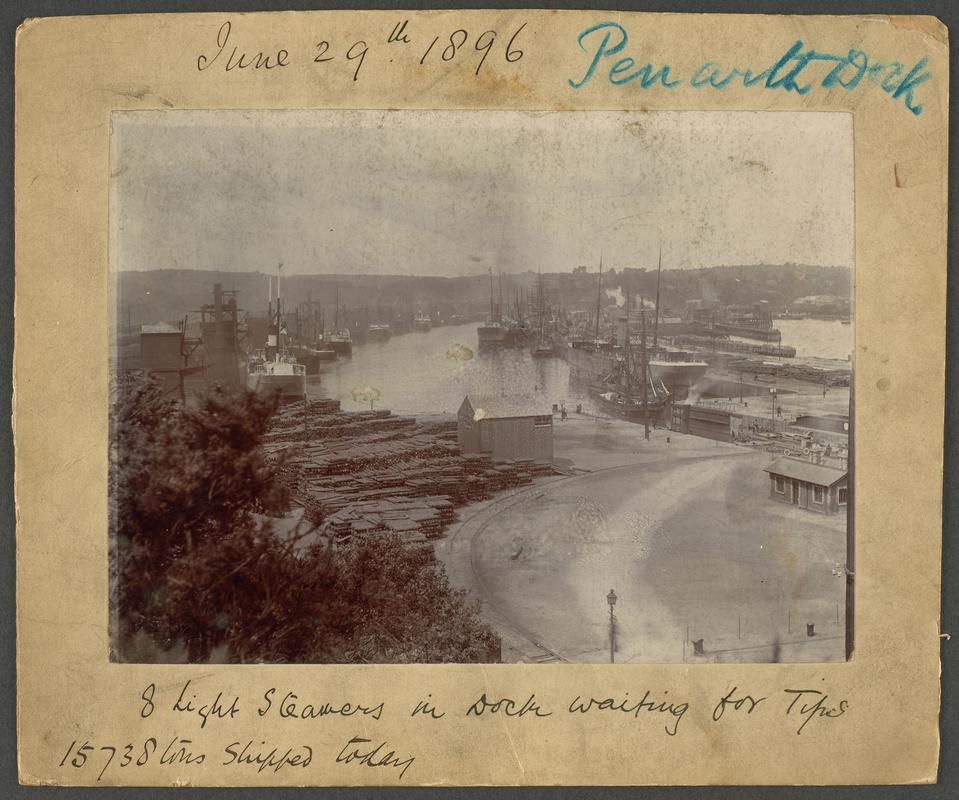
<point>599,294</point>
<point>276,354</point>
<point>542,310</point>
<point>492,314</point>
<point>645,367</point>
<point>627,357</point>
<point>659,275</point>
<point>499,308</point>
<point>336,308</point>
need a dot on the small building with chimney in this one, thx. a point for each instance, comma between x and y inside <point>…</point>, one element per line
<point>815,487</point>
<point>507,428</point>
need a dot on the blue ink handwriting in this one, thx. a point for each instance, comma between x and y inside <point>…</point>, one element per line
<point>794,71</point>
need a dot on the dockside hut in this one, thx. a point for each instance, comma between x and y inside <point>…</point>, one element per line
<point>815,487</point>
<point>161,355</point>
<point>507,428</point>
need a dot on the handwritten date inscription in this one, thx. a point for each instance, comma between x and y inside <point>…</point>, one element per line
<point>239,59</point>
<point>230,56</point>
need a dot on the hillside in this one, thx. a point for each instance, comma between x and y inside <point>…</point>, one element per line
<point>169,295</point>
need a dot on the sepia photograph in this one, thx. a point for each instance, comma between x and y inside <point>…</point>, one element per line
<point>481,387</point>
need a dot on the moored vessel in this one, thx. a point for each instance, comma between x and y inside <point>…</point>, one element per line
<point>379,332</point>
<point>543,350</point>
<point>340,342</point>
<point>491,333</point>
<point>627,392</point>
<point>678,370</point>
<point>675,370</point>
<point>543,346</point>
<point>422,323</point>
<point>312,357</point>
<point>274,370</point>
<point>282,375</point>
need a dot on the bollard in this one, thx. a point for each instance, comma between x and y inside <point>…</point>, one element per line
<point>810,629</point>
<point>698,648</point>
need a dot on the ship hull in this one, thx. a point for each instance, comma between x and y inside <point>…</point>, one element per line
<point>311,358</point>
<point>379,334</point>
<point>679,377</point>
<point>543,351</point>
<point>588,365</point>
<point>631,411</point>
<point>422,326</point>
<point>748,332</point>
<point>289,387</point>
<point>516,337</point>
<point>490,335</point>
<point>342,347</point>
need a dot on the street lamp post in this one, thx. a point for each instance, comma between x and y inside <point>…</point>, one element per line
<point>611,599</point>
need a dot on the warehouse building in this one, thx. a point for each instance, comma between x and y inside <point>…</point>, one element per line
<point>507,428</point>
<point>710,423</point>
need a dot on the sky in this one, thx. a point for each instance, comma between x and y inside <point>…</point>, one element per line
<point>455,193</point>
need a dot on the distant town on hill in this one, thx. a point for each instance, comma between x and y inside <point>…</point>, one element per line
<point>151,296</point>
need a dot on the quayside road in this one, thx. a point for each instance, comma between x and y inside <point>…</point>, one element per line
<point>683,530</point>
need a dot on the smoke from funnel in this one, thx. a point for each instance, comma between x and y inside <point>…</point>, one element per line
<point>617,295</point>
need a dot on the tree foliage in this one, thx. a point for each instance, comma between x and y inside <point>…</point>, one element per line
<point>201,570</point>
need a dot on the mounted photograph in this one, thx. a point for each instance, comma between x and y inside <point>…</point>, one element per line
<point>481,387</point>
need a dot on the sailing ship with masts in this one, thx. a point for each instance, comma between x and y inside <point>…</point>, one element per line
<point>307,345</point>
<point>629,391</point>
<point>339,340</point>
<point>543,348</point>
<point>591,356</point>
<point>492,332</point>
<point>676,369</point>
<point>273,370</point>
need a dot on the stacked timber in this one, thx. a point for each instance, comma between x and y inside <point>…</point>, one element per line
<point>368,473</point>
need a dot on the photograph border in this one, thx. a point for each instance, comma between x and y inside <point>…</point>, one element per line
<point>948,773</point>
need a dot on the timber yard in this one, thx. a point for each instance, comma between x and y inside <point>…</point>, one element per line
<point>616,466</point>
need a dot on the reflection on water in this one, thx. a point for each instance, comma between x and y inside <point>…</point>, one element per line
<point>428,373</point>
<point>421,373</point>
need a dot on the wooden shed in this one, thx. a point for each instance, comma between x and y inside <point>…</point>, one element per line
<point>507,428</point>
<point>815,487</point>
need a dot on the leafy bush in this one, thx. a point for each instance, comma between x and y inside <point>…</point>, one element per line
<point>203,575</point>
